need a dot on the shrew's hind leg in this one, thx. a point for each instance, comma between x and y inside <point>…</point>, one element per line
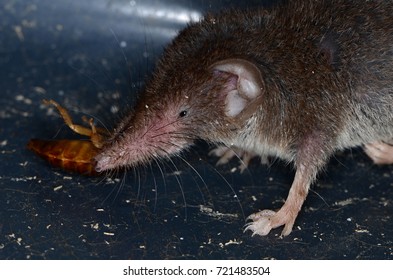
<point>95,133</point>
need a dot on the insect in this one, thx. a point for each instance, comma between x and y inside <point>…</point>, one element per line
<point>71,155</point>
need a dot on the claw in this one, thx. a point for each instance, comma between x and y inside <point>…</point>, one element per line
<point>261,222</point>
<point>225,154</point>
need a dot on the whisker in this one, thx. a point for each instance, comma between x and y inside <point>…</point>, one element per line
<point>168,124</point>
<point>169,144</point>
<point>122,52</point>
<point>109,195</point>
<point>137,175</point>
<point>162,127</point>
<point>183,136</point>
<point>98,120</point>
<point>90,78</point>
<point>231,188</point>
<point>147,130</point>
<point>158,148</point>
<point>123,183</point>
<point>324,201</point>
<point>161,171</point>
<point>155,187</point>
<point>180,186</point>
<point>199,176</point>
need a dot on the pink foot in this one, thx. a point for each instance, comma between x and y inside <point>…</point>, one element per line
<point>225,154</point>
<point>266,220</point>
<point>380,152</point>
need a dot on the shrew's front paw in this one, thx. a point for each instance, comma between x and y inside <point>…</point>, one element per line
<point>380,152</point>
<point>225,154</point>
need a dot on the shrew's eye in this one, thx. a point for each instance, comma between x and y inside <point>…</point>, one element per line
<point>183,114</point>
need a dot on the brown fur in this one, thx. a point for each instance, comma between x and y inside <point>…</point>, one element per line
<point>326,69</point>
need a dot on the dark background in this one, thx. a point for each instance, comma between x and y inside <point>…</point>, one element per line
<point>93,57</point>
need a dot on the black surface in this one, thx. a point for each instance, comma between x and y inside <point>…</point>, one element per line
<point>70,51</point>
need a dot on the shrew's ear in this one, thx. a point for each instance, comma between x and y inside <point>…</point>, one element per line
<point>244,92</point>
